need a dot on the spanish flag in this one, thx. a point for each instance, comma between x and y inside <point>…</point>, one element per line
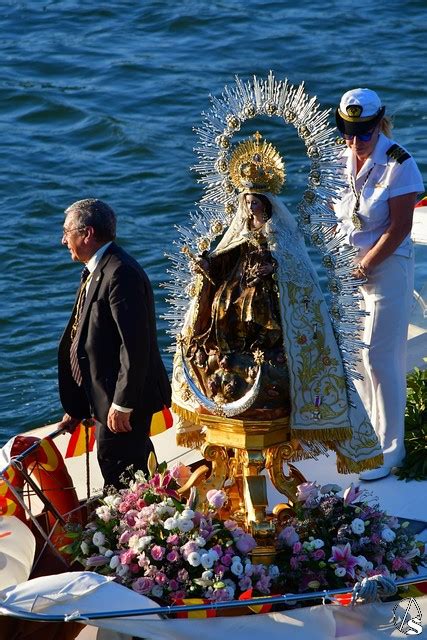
<point>422,202</point>
<point>161,421</point>
<point>256,608</point>
<point>200,613</point>
<point>79,442</point>
<point>416,590</point>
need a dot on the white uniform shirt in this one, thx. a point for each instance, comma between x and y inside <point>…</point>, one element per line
<point>388,179</point>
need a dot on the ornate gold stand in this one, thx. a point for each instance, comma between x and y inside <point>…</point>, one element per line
<point>239,451</point>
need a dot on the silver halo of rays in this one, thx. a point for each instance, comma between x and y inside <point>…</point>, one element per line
<point>237,104</point>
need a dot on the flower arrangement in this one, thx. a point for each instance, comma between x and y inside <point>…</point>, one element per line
<point>152,542</point>
<point>333,541</point>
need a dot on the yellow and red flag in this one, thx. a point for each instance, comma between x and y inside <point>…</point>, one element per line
<point>422,202</point>
<point>199,613</point>
<point>161,421</point>
<point>79,443</point>
<point>256,608</point>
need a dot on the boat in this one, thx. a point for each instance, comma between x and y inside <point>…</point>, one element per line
<point>89,606</point>
<point>40,594</point>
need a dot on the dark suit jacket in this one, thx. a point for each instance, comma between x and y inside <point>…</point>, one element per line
<point>117,350</point>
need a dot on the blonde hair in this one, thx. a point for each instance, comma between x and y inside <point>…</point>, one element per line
<point>386,126</point>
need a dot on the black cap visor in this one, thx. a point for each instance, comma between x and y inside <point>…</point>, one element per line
<point>356,126</point>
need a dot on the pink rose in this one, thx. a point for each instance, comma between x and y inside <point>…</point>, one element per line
<point>216,499</point>
<point>142,585</point>
<point>172,556</point>
<point>157,552</point>
<point>289,536</point>
<point>245,543</point>
<point>127,556</point>
<point>180,473</point>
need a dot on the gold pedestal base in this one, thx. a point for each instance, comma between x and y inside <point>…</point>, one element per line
<point>239,450</point>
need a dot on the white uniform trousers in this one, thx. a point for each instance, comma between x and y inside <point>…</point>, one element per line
<point>387,297</point>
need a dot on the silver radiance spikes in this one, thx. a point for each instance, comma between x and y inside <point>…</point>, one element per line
<point>237,104</point>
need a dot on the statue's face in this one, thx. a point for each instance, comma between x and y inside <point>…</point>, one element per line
<point>254,205</point>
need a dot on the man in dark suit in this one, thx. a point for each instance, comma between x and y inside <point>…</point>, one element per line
<point>109,365</point>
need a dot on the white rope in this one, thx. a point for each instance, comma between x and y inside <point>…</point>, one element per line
<point>372,588</point>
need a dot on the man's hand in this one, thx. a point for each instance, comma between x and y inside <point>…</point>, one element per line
<point>68,423</point>
<point>119,421</point>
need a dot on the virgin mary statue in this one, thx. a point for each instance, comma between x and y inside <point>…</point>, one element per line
<point>257,342</point>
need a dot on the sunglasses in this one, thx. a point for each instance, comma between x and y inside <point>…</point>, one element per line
<point>363,137</point>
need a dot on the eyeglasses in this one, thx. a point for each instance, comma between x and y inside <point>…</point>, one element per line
<point>65,232</point>
<point>363,137</point>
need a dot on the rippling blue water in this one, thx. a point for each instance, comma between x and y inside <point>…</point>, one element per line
<point>101,100</point>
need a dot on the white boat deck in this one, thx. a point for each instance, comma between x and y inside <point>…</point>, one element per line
<point>403,499</point>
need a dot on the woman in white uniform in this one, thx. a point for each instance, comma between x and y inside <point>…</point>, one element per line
<point>375,213</point>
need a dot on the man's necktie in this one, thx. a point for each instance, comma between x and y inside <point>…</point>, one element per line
<point>81,297</point>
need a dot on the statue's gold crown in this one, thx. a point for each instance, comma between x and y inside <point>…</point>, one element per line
<point>257,167</point>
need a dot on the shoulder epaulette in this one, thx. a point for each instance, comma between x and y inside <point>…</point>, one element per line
<point>397,153</point>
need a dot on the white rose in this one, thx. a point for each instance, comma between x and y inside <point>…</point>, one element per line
<point>114,562</point>
<point>237,568</point>
<point>340,572</point>
<point>358,526</point>
<point>98,539</point>
<point>185,525</point>
<point>388,535</point>
<point>143,542</point>
<point>112,501</point>
<point>133,542</point>
<point>206,561</point>
<point>170,524</point>
<point>103,513</point>
<point>200,541</point>
<point>193,559</point>
<point>187,513</point>
<point>213,555</point>
<point>362,562</point>
<point>318,543</point>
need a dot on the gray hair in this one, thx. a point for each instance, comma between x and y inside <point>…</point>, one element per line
<point>94,213</point>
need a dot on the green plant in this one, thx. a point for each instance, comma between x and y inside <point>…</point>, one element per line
<point>414,466</point>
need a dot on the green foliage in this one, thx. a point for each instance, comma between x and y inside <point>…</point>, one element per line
<point>414,466</point>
